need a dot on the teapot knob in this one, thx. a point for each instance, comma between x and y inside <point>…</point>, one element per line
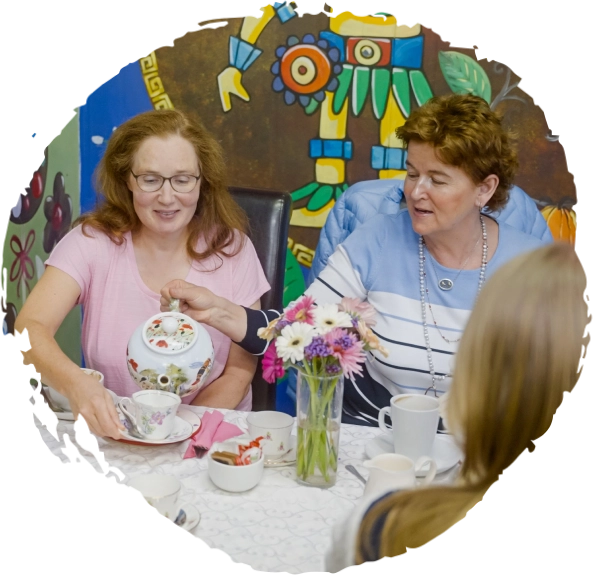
<point>170,325</point>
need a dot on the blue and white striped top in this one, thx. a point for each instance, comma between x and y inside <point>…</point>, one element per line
<point>379,263</point>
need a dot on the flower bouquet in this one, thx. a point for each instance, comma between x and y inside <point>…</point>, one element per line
<point>325,343</point>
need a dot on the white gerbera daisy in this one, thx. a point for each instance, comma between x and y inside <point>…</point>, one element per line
<point>329,316</point>
<point>292,341</point>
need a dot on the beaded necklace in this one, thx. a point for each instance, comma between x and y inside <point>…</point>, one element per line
<point>424,298</point>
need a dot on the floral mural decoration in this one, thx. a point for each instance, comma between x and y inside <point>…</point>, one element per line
<point>22,270</point>
<point>58,212</point>
<point>305,70</point>
<point>30,201</point>
<point>9,318</point>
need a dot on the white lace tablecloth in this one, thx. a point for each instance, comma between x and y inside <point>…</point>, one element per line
<point>279,525</point>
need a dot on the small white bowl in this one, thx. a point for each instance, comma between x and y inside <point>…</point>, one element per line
<point>234,478</point>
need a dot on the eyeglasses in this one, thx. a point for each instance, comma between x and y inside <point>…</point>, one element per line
<point>150,183</point>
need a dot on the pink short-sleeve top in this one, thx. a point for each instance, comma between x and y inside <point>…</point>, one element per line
<point>115,300</point>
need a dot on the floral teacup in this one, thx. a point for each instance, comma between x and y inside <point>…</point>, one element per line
<point>275,427</point>
<point>152,412</point>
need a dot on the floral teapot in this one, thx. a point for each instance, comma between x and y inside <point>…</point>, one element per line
<point>171,352</point>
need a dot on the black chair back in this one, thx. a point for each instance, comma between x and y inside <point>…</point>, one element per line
<point>269,216</point>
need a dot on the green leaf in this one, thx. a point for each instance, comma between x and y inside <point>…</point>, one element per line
<point>311,107</point>
<point>380,91</point>
<point>464,75</point>
<point>420,87</point>
<point>360,88</point>
<point>344,79</point>
<point>294,282</point>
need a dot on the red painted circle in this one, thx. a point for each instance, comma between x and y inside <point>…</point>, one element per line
<point>37,185</point>
<point>318,59</point>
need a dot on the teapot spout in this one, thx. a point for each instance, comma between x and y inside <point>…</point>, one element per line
<point>165,383</point>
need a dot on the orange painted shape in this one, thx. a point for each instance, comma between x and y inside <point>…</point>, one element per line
<point>562,222</point>
<point>319,60</point>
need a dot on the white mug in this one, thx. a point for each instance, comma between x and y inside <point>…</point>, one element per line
<point>62,401</point>
<point>161,491</point>
<point>414,423</point>
<point>391,471</point>
<point>152,412</point>
<point>275,427</point>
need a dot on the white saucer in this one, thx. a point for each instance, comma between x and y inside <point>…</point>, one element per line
<point>193,517</point>
<point>444,451</point>
<point>186,424</point>
<point>286,459</point>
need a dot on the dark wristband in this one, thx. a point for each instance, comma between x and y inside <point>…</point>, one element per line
<point>256,318</point>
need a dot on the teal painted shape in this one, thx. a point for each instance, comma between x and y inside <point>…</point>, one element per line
<point>321,198</point>
<point>380,91</point>
<point>344,81</point>
<point>420,87</point>
<point>360,88</point>
<point>400,82</point>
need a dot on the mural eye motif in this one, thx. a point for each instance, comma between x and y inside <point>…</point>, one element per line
<point>58,212</point>
<point>305,70</point>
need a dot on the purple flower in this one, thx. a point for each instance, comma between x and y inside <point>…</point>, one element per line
<point>317,348</point>
<point>344,341</point>
<point>333,368</point>
<point>281,325</point>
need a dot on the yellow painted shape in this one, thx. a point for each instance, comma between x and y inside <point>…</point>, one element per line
<point>306,219</point>
<point>229,82</point>
<point>253,27</point>
<point>389,174</point>
<point>347,24</point>
<point>330,171</point>
<point>408,31</point>
<point>392,119</point>
<point>332,126</point>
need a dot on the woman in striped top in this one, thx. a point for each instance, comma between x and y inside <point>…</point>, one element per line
<point>421,268</point>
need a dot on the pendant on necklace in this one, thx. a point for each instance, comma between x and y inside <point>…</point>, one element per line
<point>445,284</point>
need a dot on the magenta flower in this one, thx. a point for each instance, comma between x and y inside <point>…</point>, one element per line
<point>347,350</point>
<point>301,311</point>
<point>272,364</point>
<point>358,309</point>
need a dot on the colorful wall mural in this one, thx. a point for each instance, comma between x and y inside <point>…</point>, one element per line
<point>306,104</point>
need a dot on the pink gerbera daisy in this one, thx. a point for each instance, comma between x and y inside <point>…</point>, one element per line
<point>347,350</point>
<point>359,309</point>
<point>272,365</point>
<point>301,311</point>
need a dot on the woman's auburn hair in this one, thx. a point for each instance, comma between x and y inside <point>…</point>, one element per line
<point>466,134</point>
<point>217,216</point>
<point>518,355</point>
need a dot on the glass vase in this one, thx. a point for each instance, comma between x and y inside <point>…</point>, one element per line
<point>319,413</point>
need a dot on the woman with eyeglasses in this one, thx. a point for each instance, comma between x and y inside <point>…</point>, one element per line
<point>165,213</point>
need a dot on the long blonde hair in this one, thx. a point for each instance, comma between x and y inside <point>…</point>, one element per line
<point>518,355</point>
<point>217,214</point>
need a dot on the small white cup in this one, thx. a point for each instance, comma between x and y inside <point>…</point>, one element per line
<point>391,471</point>
<point>161,491</point>
<point>275,427</point>
<point>61,401</point>
<point>152,411</point>
<point>414,423</point>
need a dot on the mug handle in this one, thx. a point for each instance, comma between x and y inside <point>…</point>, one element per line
<point>382,413</point>
<point>432,471</point>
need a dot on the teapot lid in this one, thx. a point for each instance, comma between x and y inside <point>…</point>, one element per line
<point>170,332</point>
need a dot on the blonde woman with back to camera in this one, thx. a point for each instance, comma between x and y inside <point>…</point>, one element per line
<point>518,355</point>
